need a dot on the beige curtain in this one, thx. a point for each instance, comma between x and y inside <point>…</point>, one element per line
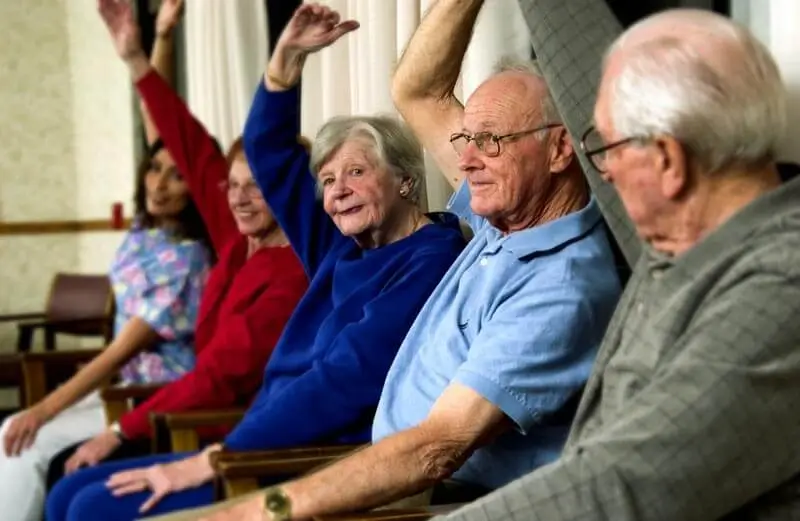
<point>226,50</point>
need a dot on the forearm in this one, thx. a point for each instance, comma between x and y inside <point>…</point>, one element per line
<point>427,68</point>
<point>284,69</point>
<point>162,59</point>
<point>394,468</point>
<point>135,336</point>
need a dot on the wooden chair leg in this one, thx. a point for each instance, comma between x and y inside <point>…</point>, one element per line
<point>35,386</point>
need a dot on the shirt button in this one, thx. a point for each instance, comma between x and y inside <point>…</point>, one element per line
<point>640,307</point>
<point>484,261</point>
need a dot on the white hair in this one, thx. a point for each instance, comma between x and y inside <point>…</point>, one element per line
<point>549,112</point>
<point>393,143</point>
<point>703,79</point>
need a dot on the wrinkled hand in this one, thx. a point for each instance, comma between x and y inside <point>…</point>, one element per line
<point>314,27</point>
<point>93,451</point>
<point>169,14</point>
<point>22,428</point>
<point>250,510</point>
<point>121,23</point>
<point>162,480</point>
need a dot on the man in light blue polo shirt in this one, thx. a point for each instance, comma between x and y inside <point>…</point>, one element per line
<point>484,386</point>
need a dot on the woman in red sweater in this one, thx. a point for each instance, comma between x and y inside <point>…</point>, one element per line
<point>252,290</point>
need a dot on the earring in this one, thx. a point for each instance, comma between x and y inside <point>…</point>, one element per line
<point>404,192</point>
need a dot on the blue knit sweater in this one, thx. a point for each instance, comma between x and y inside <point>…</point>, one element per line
<point>325,376</point>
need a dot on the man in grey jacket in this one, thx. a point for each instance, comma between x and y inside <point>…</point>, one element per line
<point>690,413</point>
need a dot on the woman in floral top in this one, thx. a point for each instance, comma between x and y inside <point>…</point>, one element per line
<point>158,275</point>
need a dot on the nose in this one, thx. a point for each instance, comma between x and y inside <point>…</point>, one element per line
<point>339,188</point>
<point>470,158</point>
<point>160,183</point>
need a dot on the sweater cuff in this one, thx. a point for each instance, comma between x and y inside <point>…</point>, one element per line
<point>134,425</point>
<point>281,106</point>
<point>149,82</point>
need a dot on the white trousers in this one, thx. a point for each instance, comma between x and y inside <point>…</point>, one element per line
<point>22,478</point>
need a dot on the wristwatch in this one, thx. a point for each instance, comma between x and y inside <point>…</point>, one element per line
<point>277,505</point>
<point>116,429</point>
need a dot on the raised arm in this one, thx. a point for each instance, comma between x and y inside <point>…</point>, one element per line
<point>162,57</point>
<point>570,39</point>
<point>279,162</point>
<point>195,152</point>
<point>424,83</point>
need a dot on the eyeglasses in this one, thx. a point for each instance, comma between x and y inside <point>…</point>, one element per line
<point>596,150</point>
<point>250,190</point>
<point>489,143</point>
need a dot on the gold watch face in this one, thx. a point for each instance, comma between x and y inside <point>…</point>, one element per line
<point>276,502</point>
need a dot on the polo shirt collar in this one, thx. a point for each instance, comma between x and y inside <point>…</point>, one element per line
<point>546,237</point>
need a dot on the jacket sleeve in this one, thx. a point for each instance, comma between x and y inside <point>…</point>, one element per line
<point>570,39</point>
<point>281,168</point>
<point>196,154</point>
<point>230,369</point>
<point>346,383</point>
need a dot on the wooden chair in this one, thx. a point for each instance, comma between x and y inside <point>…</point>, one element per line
<point>78,305</point>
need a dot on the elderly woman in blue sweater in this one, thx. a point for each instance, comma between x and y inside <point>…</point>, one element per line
<point>350,210</point>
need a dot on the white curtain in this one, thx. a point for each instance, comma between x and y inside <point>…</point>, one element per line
<point>226,51</point>
<point>354,76</point>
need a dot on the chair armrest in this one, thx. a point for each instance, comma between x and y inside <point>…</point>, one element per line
<point>177,431</point>
<point>239,472</point>
<point>73,357</point>
<point>36,367</point>
<point>118,399</point>
<point>18,317</point>
<point>129,392</point>
<point>195,419</point>
<point>398,514</point>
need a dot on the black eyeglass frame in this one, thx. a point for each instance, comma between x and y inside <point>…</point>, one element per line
<point>592,154</point>
<point>494,138</point>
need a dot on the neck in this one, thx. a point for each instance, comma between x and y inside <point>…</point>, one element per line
<point>715,199</point>
<point>565,197</point>
<point>269,239</point>
<point>405,222</point>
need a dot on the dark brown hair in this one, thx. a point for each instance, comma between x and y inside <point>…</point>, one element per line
<point>190,223</point>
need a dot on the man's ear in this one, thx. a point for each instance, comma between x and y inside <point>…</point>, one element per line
<point>673,164</point>
<point>561,150</point>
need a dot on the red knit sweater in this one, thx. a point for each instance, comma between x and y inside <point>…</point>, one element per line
<point>247,301</point>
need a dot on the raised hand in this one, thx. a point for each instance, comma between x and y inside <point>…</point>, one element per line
<point>121,23</point>
<point>169,14</point>
<point>312,27</point>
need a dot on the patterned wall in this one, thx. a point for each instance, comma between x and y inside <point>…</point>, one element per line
<point>67,144</point>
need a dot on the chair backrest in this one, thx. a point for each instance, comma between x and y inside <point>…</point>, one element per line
<point>76,297</point>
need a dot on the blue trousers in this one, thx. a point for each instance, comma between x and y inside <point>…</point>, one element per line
<point>83,496</point>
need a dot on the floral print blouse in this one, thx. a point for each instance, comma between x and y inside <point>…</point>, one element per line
<point>159,279</point>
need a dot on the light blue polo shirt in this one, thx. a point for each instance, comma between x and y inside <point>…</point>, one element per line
<point>518,319</point>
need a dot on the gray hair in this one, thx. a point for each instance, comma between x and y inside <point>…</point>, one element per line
<point>394,145</point>
<point>726,110</point>
<point>550,113</point>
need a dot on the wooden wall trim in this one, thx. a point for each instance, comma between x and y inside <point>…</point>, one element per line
<point>50,227</point>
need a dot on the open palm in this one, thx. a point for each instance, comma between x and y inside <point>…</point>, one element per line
<point>314,27</point>
<point>119,19</point>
